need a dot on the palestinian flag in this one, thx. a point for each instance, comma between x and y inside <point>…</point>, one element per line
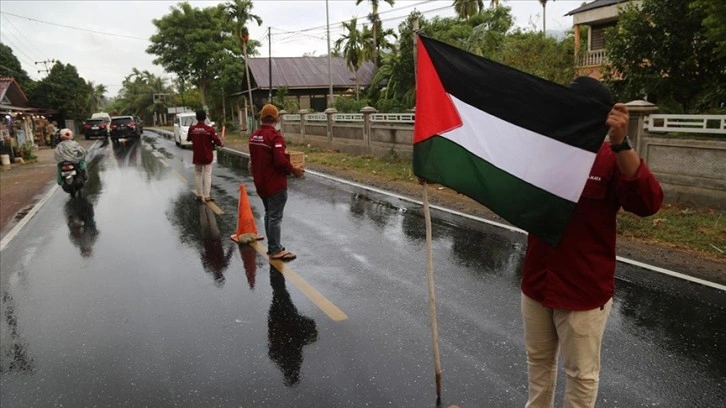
<point>518,144</point>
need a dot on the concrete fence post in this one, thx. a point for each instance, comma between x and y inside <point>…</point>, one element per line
<point>302,113</point>
<point>281,117</point>
<point>639,110</point>
<point>367,111</point>
<point>330,112</point>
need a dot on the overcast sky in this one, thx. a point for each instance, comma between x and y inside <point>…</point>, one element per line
<point>104,40</point>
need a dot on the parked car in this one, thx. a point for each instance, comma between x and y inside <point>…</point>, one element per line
<point>96,128</point>
<point>123,127</point>
<point>182,121</point>
<point>139,124</point>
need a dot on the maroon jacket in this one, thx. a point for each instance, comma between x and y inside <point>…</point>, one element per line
<point>579,273</point>
<point>270,166</point>
<point>203,138</point>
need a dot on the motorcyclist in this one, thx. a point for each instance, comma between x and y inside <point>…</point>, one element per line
<point>70,150</point>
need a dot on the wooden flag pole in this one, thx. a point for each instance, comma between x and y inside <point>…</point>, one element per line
<point>429,254</point>
<point>432,293</point>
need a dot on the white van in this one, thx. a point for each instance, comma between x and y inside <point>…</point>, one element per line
<point>182,121</point>
<point>106,118</point>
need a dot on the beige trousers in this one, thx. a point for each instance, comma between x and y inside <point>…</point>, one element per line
<point>577,335</point>
<point>203,176</point>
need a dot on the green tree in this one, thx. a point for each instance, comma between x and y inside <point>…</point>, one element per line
<point>195,44</point>
<point>239,13</point>
<point>10,66</point>
<point>377,33</point>
<point>466,9</point>
<point>673,62</point>
<point>64,90</point>
<point>714,22</point>
<point>489,31</point>
<point>136,96</point>
<point>401,84</point>
<point>352,43</point>
<point>96,98</point>
<point>545,57</point>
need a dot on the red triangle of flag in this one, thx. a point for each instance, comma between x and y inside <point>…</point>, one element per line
<point>435,112</point>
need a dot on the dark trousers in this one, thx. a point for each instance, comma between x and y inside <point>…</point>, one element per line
<point>274,207</point>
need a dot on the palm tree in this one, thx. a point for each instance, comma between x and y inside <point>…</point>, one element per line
<point>377,27</point>
<point>353,45</point>
<point>544,16</point>
<point>239,12</point>
<point>96,96</point>
<point>465,9</point>
<point>136,96</point>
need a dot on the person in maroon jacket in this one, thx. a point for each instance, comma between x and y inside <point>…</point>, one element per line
<point>204,138</point>
<point>567,289</point>
<point>270,167</point>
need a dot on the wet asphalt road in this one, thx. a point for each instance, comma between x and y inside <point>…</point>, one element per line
<point>150,304</point>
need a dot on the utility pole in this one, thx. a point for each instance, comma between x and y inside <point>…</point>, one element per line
<point>45,64</point>
<point>269,42</point>
<point>330,63</point>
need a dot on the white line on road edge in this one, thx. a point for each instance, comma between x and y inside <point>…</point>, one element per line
<point>6,239</point>
<point>672,273</point>
<point>509,227</point>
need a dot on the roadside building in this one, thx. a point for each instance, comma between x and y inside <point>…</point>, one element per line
<point>305,81</point>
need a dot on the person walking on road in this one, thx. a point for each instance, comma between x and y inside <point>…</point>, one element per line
<point>204,139</point>
<point>567,289</point>
<point>270,167</point>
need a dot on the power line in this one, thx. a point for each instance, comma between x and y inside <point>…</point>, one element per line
<point>291,34</point>
<point>26,58</point>
<point>340,23</point>
<point>76,28</point>
<point>11,70</point>
<point>40,53</point>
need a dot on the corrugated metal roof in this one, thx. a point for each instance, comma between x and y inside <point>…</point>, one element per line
<point>306,72</point>
<point>595,5</point>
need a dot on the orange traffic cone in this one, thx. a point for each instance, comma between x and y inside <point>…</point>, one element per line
<point>246,229</point>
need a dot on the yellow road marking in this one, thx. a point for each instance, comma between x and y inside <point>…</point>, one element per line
<point>214,208</point>
<point>181,176</point>
<point>308,290</point>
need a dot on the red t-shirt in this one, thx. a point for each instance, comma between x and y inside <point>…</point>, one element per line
<point>270,166</point>
<point>579,273</point>
<point>203,138</point>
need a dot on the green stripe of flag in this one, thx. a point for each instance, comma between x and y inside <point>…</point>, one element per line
<point>515,200</point>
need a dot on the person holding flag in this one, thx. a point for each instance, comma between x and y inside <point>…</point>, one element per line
<point>567,289</point>
<point>532,151</point>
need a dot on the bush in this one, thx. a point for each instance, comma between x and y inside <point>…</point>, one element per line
<point>350,105</point>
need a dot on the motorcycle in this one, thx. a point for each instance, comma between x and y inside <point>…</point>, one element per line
<point>72,178</point>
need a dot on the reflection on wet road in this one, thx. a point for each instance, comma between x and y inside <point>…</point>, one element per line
<point>135,296</point>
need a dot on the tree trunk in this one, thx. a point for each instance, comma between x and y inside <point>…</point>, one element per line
<point>203,92</point>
